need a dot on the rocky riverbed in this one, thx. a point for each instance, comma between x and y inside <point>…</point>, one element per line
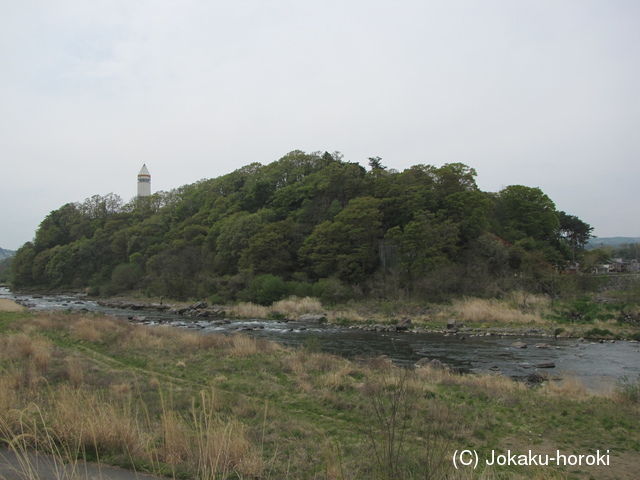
<point>513,351</point>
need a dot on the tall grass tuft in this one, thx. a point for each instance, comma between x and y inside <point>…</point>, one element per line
<point>220,447</point>
<point>86,419</point>
<point>85,329</point>
<point>21,346</point>
<point>293,307</point>
<point>479,310</point>
<point>176,439</point>
<point>75,371</point>
<point>628,390</point>
<point>569,386</point>
<point>250,310</point>
<point>243,345</point>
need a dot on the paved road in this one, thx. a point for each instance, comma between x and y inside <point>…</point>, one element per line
<point>43,467</point>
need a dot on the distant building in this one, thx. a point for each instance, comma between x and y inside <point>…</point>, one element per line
<point>144,182</point>
<point>618,265</point>
<point>601,269</point>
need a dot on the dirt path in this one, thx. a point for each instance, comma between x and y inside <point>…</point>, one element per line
<point>32,466</point>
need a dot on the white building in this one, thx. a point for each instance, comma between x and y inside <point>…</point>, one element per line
<point>144,182</point>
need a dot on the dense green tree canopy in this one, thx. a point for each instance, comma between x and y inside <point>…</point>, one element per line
<point>309,222</point>
<point>527,212</point>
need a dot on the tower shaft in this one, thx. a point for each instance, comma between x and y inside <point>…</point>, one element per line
<point>144,182</point>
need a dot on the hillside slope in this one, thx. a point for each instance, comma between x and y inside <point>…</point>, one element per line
<point>305,224</point>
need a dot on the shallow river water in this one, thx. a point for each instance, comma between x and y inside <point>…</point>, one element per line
<point>597,364</point>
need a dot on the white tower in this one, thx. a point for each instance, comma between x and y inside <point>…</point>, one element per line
<point>144,182</point>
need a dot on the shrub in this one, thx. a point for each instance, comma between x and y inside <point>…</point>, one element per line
<point>300,289</point>
<point>267,289</point>
<point>331,291</point>
<point>126,276</point>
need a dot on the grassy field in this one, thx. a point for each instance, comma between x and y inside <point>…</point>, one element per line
<point>193,406</point>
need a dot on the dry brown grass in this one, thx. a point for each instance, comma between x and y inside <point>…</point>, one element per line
<point>220,446</point>
<point>293,307</point>
<point>200,440</point>
<point>243,345</point>
<point>350,313</point>
<point>86,419</point>
<point>121,390</point>
<point>9,384</point>
<point>41,354</point>
<point>435,375</point>
<point>296,363</point>
<point>20,346</point>
<point>194,341</point>
<point>250,310</point>
<point>337,379</point>
<point>305,366</point>
<point>176,439</point>
<point>85,329</point>
<point>528,301</point>
<point>75,371</point>
<point>7,305</point>
<point>206,439</point>
<point>141,338</point>
<point>40,323</point>
<point>501,389</point>
<point>478,310</point>
<point>569,386</point>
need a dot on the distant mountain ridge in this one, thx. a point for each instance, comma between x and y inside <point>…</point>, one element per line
<point>6,253</point>
<point>611,241</point>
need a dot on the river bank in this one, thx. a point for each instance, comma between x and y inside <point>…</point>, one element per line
<point>607,315</point>
<point>515,351</point>
<point>175,402</point>
<point>437,319</point>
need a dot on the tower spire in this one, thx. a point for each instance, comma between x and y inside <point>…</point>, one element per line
<point>144,182</point>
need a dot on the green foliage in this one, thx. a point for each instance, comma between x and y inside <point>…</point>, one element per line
<point>313,345</point>
<point>527,212</point>
<point>300,289</point>
<point>126,277</point>
<point>598,333</point>
<point>584,310</point>
<point>331,291</point>
<point>175,272</point>
<point>424,243</point>
<point>267,289</point>
<point>346,247</point>
<point>576,232</point>
<point>23,265</point>
<point>309,217</point>
<point>5,269</point>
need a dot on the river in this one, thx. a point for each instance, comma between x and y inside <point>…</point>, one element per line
<point>597,364</point>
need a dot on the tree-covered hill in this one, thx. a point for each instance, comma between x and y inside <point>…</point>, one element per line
<point>309,223</point>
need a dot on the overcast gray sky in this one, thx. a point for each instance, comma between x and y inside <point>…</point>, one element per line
<point>530,92</point>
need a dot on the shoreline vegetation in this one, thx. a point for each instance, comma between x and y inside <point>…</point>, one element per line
<point>185,405</point>
<point>611,315</point>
